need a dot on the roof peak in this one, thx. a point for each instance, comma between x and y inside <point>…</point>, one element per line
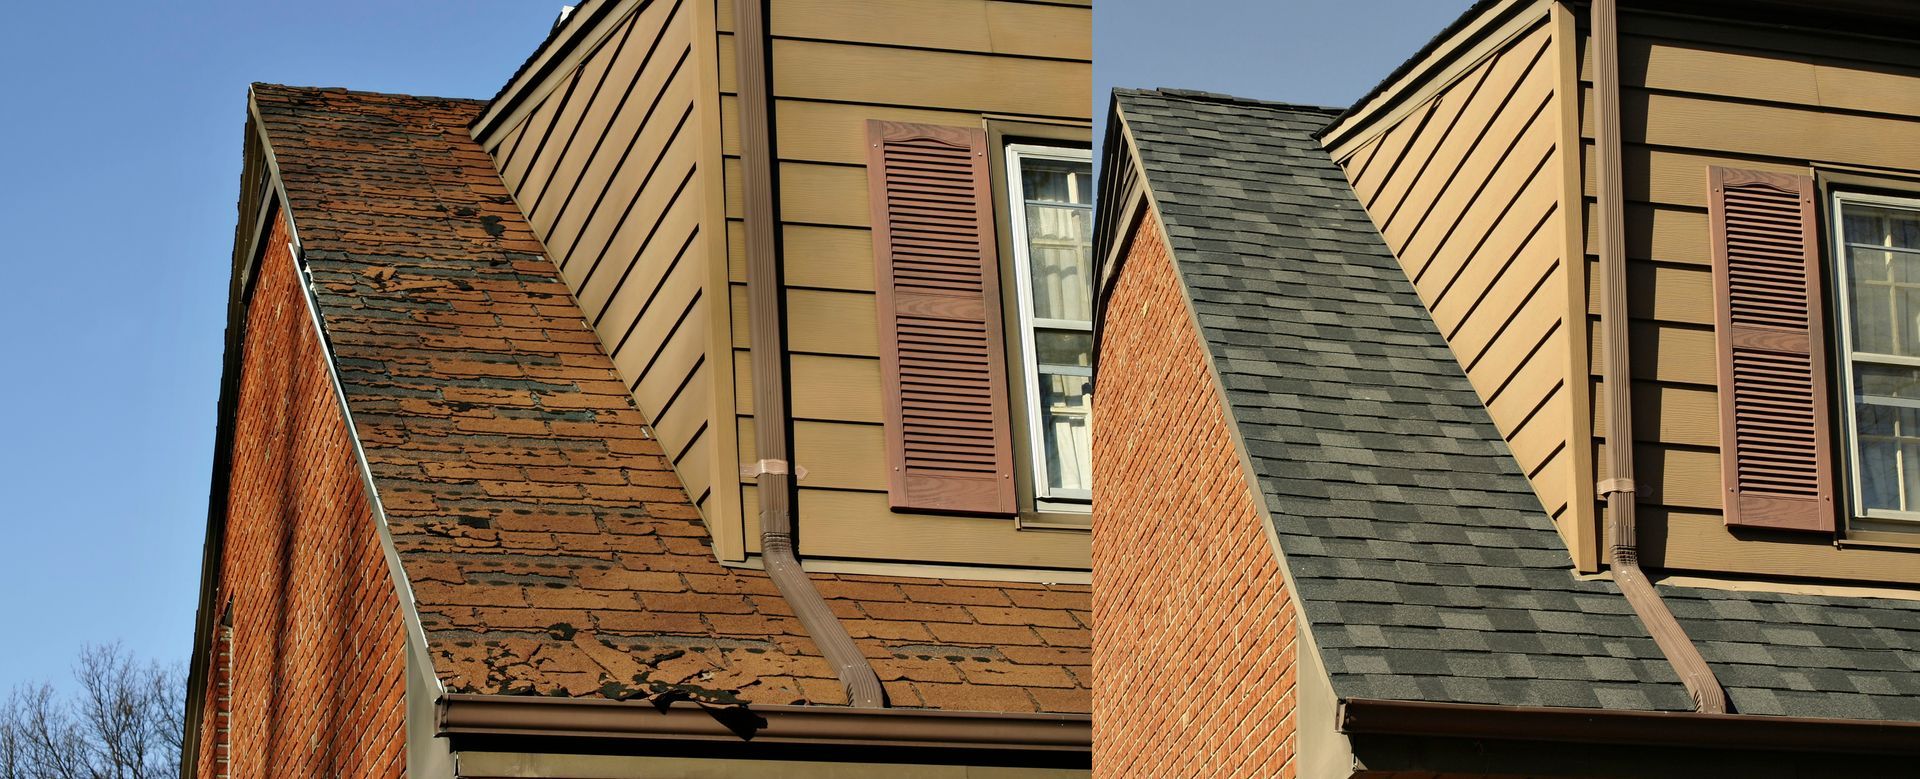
<point>1197,95</point>
<point>258,86</point>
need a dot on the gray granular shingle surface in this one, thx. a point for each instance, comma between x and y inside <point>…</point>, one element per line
<point>1426,566</point>
<point>1806,655</point>
<point>1423,560</point>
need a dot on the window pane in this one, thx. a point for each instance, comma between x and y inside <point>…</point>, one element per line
<point>1063,347</point>
<point>1056,181</point>
<point>1885,301</point>
<point>1060,250</point>
<point>1064,431</point>
<point>1872,301</point>
<point>1886,381</point>
<point>1880,226</point>
<point>1889,468</point>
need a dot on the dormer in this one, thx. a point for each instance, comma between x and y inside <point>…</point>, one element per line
<point>1768,154</point>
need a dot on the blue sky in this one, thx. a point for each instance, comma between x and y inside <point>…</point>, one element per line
<point>123,125</point>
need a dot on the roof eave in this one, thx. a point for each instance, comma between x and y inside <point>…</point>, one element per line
<point>1629,727</point>
<point>526,723</point>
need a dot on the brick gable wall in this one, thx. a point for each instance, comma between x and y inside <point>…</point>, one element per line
<point>318,648</point>
<point>1194,628</point>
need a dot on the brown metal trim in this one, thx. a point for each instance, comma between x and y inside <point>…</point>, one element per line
<point>767,324</point>
<point>1618,491</point>
<point>1745,332</point>
<point>524,716</point>
<point>1639,728</point>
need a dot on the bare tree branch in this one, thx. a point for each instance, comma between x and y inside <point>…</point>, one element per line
<point>126,722</point>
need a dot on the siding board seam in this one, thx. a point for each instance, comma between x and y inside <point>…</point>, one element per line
<point>653,230</point>
<point>655,292</point>
<point>639,73</point>
<point>1492,227</point>
<point>592,99</point>
<point>620,164</point>
<point>638,194</point>
<point>1532,294</point>
<point>1479,77</point>
<point>1535,350</point>
<point>1452,224</point>
<point>667,340</point>
<point>1473,147</point>
<point>553,121</point>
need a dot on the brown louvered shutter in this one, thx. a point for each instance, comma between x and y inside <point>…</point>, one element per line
<point>938,285</point>
<point>1776,457</point>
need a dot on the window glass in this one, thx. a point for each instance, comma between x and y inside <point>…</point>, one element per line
<point>1052,194</point>
<point>1880,247</point>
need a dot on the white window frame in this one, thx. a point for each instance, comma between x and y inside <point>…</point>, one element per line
<point>1843,295</point>
<point>1045,498</point>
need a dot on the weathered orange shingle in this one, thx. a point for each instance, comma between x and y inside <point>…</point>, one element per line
<point>550,548</point>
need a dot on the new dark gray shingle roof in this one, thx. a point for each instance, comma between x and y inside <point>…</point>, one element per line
<point>1426,566</point>
<point>1807,655</point>
<point>1423,559</point>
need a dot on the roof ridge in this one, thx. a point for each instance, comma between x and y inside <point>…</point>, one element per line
<point>360,93</point>
<point>1220,97</point>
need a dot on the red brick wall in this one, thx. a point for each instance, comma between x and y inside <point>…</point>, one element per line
<point>1193,643</point>
<point>318,648</point>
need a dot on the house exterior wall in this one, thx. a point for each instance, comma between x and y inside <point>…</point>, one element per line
<point>317,649</point>
<point>616,166</point>
<point>835,65</point>
<point>1195,639</point>
<point>1469,188</point>
<point>663,279</point>
<point>1699,93</point>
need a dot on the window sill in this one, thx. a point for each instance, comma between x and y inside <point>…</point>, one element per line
<point>1079,522</point>
<point>1906,540</point>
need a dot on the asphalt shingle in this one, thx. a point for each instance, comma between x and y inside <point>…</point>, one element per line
<point>1425,564</point>
<point>1423,560</point>
<point>550,548</point>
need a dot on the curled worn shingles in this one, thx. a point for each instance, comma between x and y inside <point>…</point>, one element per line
<point>550,547</point>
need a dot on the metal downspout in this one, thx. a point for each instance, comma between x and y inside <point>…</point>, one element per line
<point>1617,377</point>
<point>769,369</point>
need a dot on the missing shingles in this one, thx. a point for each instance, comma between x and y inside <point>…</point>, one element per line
<point>946,651</point>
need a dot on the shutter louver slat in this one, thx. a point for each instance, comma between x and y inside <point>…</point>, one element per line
<point>943,363</point>
<point>1776,457</point>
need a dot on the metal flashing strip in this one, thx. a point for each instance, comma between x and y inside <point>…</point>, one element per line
<point>574,36</point>
<point>409,610</point>
<point>1628,727</point>
<point>1477,35</point>
<point>465,715</point>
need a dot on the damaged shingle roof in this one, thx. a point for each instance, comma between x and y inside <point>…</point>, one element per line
<point>550,548</point>
<point>1426,567</point>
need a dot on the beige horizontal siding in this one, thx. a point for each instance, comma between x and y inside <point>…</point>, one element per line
<point>1697,95</point>
<point>837,64</point>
